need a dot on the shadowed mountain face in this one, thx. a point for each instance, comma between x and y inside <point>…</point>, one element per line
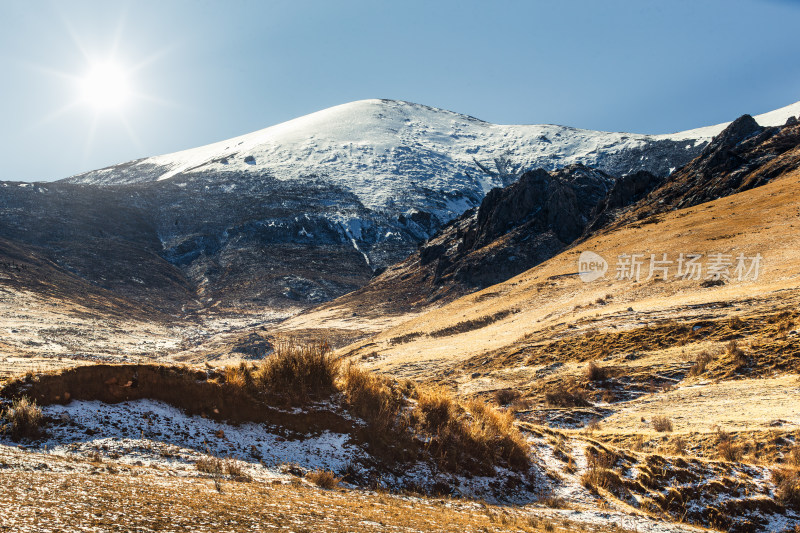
<point>187,244</point>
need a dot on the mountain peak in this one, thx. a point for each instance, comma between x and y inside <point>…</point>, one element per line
<point>738,130</point>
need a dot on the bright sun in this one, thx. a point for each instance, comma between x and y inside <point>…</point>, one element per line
<point>106,87</point>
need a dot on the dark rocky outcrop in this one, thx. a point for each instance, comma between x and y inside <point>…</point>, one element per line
<point>626,191</point>
<point>743,156</point>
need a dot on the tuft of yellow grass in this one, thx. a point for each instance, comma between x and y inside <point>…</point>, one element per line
<point>662,423</point>
<point>25,418</point>
<point>324,479</point>
<point>296,372</point>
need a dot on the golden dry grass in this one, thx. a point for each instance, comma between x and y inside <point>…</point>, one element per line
<point>123,503</point>
<point>294,372</point>
<point>324,479</point>
<point>24,419</point>
<point>406,419</point>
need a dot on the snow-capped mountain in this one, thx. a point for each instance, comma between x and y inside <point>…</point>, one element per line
<point>307,210</point>
<point>401,157</point>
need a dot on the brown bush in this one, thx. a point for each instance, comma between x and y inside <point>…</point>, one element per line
<point>375,399</point>
<point>493,433</point>
<point>567,394</point>
<point>506,396</point>
<point>521,404</point>
<point>729,451</point>
<point>793,455</point>
<point>787,487</point>
<point>437,407</point>
<point>218,467</point>
<point>700,364</point>
<point>735,322</point>
<point>662,423</point>
<point>298,372</point>
<point>472,437</point>
<point>600,470</point>
<point>25,418</point>
<point>678,445</point>
<point>595,373</point>
<point>733,350</point>
<point>324,479</point>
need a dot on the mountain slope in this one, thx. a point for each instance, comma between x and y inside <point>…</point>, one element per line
<point>282,219</point>
<point>508,322</point>
<point>743,156</point>
<point>530,221</point>
<point>299,213</point>
<point>514,229</point>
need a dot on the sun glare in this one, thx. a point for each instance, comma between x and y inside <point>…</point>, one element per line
<point>106,87</point>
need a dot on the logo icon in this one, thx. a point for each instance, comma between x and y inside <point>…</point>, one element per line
<point>591,266</point>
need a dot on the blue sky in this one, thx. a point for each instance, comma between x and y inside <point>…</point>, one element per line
<point>200,71</point>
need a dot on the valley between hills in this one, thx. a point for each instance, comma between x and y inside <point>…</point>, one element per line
<point>378,317</point>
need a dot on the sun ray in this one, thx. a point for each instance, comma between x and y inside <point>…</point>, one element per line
<point>132,134</point>
<point>155,100</point>
<point>119,31</point>
<point>54,115</point>
<point>152,58</point>
<point>87,149</point>
<point>73,34</point>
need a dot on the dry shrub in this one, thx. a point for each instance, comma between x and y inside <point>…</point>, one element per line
<point>729,451</point>
<point>324,479</point>
<point>25,418</point>
<point>735,322</point>
<point>495,436</point>
<point>218,467</point>
<point>376,399</point>
<point>662,423</point>
<point>210,465</point>
<point>521,404</point>
<point>297,372</point>
<point>473,437</point>
<point>600,470</point>
<point>793,455</point>
<point>593,425</point>
<point>787,487</point>
<point>437,407</point>
<point>567,394</point>
<point>506,396</point>
<point>235,470</point>
<point>553,502</point>
<point>595,373</point>
<point>678,445</point>
<point>241,376</point>
<point>733,350</point>
<point>700,364</point>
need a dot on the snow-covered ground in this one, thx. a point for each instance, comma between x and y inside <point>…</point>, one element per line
<point>151,432</point>
<point>159,441</point>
